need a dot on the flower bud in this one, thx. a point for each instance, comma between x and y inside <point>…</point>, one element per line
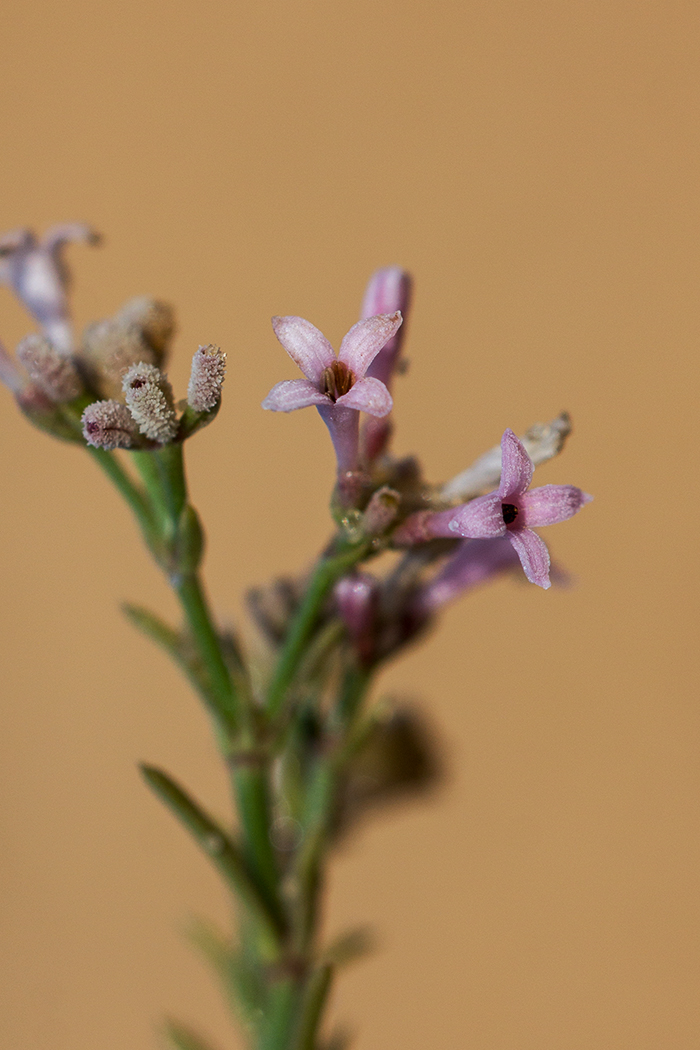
<point>357,601</point>
<point>55,375</point>
<point>149,398</point>
<point>154,319</point>
<point>381,511</point>
<point>108,425</point>
<point>206,378</point>
<point>388,290</point>
<point>109,348</point>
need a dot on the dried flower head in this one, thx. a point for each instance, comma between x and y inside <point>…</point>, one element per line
<point>149,398</point>
<point>108,425</point>
<point>206,378</point>
<point>55,375</point>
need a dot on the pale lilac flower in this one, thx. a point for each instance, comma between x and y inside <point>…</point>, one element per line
<point>510,511</point>
<point>339,386</point>
<point>36,272</point>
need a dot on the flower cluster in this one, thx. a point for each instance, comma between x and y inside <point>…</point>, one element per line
<point>112,376</point>
<point>455,535</point>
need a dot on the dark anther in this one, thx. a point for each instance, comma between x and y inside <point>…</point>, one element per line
<point>510,512</point>
<point>136,384</point>
<point>336,380</point>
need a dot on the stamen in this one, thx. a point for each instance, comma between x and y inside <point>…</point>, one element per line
<point>510,512</point>
<point>336,380</point>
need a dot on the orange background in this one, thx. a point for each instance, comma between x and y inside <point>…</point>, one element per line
<point>535,165</point>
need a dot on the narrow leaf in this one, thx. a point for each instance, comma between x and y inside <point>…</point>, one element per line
<point>220,849</point>
<point>350,946</point>
<point>171,641</point>
<point>181,1037</point>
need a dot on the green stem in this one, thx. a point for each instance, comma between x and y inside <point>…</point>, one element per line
<point>254,807</point>
<point>353,689</point>
<point>194,604</point>
<point>133,495</point>
<point>281,1014</point>
<point>325,575</point>
<point>147,467</point>
<point>170,464</point>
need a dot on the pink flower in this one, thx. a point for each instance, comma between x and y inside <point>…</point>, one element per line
<point>339,386</point>
<point>510,511</point>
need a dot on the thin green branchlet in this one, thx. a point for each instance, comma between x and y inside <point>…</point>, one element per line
<point>307,757</point>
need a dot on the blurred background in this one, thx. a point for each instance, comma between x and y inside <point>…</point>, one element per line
<point>535,165</point>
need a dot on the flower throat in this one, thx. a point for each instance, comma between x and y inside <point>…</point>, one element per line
<point>336,380</point>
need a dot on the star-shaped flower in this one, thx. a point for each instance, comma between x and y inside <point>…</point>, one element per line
<point>339,386</point>
<point>510,511</point>
<point>332,380</point>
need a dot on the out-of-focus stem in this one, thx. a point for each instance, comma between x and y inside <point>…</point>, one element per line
<point>315,996</point>
<point>253,796</point>
<point>326,573</point>
<point>320,806</point>
<point>281,1016</point>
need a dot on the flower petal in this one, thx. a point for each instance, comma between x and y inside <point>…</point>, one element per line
<point>516,467</point>
<point>533,554</point>
<point>365,339</point>
<point>306,346</point>
<point>480,519</point>
<point>294,393</point>
<point>368,395</point>
<point>550,504</point>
